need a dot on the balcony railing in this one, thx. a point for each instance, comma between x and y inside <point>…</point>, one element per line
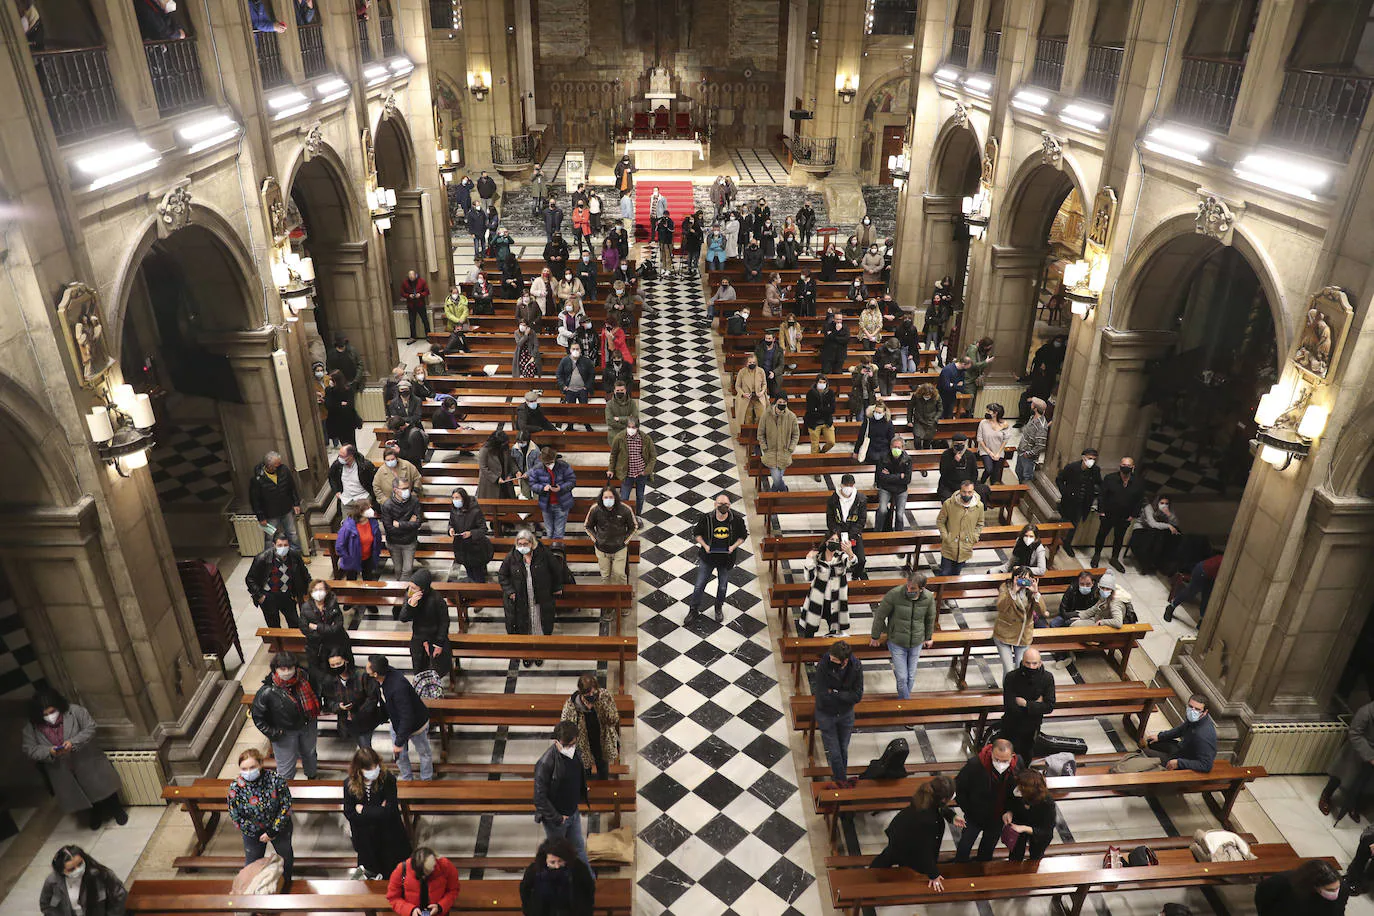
<point>512,151</point>
<point>365,40</point>
<point>1104,67</point>
<point>388,36</point>
<point>1048,70</point>
<point>312,49</point>
<point>815,152</point>
<point>269,59</point>
<point>1321,112</point>
<point>992,43</point>
<point>79,91</point>
<point>958,49</point>
<point>1207,90</point>
<point>442,15</point>
<point>175,69</point>
<point>894,17</point>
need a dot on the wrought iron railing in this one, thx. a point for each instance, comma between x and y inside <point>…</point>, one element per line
<point>79,91</point>
<point>1048,69</point>
<point>388,35</point>
<point>512,151</point>
<point>442,15</point>
<point>1207,90</point>
<point>269,59</point>
<point>894,17</point>
<point>1321,112</point>
<point>814,151</point>
<point>1102,72</point>
<point>312,49</point>
<point>175,69</point>
<point>365,40</point>
<point>958,48</point>
<point>992,44</point>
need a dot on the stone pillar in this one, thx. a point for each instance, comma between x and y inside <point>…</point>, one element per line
<point>524,52</point>
<point>355,306</point>
<point>839,57</point>
<point>128,67</point>
<point>794,72</point>
<point>1262,80</point>
<point>1005,308</point>
<point>1081,22</point>
<point>941,253</point>
<point>484,30</point>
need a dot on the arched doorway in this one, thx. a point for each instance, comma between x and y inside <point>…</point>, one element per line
<point>954,174</point>
<point>405,249</point>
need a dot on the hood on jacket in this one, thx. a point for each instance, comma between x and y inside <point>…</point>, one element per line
<point>423,578</point>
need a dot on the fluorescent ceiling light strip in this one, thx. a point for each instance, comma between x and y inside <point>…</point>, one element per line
<point>335,97</point>
<point>401,64</point>
<point>1275,184</point>
<point>288,112</point>
<point>216,140</point>
<point>136,169</point>
<point>1083,125</point>
<point>1084,113</point>
<point>113,159</point>
<point>1286,170</point>
<point>947,74</point>
<point>1171,152</point>
<point>1180,140</point>
<point>978,83</point>
<point>206,127</point>
<point>331,87</point>
<point>286,100</point>
<point>1039,99</point>
<point>1026,106</point>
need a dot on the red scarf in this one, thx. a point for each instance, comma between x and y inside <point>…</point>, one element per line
<point>300,691</point>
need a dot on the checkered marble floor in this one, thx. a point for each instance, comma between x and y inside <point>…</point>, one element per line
<point>1174,461</point>
<point>189,465</point>
<point>721,825</point>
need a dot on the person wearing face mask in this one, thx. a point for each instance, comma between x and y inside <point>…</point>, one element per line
<point>1112,607</point>
<point>1035,437</point>
<point>993,432</point>
<point>322,624</point>
<point>552,481</point>
<point>827,603</point>
<point>863,391</point>
<point>983,787</point>
<point>582,224</point>
<point>614,344</point>
<point>80,886</point>
<point>530,417</point>
<point>526,362</point>
<point>259,802</point>
<point>753,261</point>
<point>839,686</point>
<point>457,311</point>
<point>277,581</point>
<point>951,383</point>
<point>915,834</point>
<point>1190,746</point>
<point>717,534</point>
<point>888,360</point>
<point>402,521</point>
<point>1031,815</point>
<point>663,235</point>
<point>867,232</point>
<point>1155,535</point>
<point>872,265</point>
<point>557,883</point>
<point>789,252</point>
<point>633,461</point>
<point>543,291</point>
<point>750,391</point>
<point>832,259</point>
<point>733,228</point>
<point>692,237</point>
<point>1079,484</point>
<point>427,613</point>
<point>620,408</point>
<point>60,738</point>
<point>725,292</point>
<point>407,405</point>
<point>531,578</point>
<point>348,693</point>
<point>1028,551</point>
<point>350,479</point>
<point>374,817</point>
<point>569,287</point>
<point>1314,888</point>
<point>340,411</point>
<point>715,250</point>
<point>588,339</point>
<point>394,470</point>
<point>767,234</point>
<point>846,517</point>
<point>286,709</point>
<point>1123,493</point>
<point>778,435</point>
<point>275,498</point>
<point>772,297</point>
<point>908,617</point>
<point>820,417</point>
<point>408,715</point>
<point>961,525</point>
<point>576,375</point>
<point>320,388</point>
<point>870,325</point>
<point>875,435</point>
<point>958,463</point>
<point>1019,603</point>
<point>568,320</point>
<point>592,709</point>
<point>856,291</point>
<point>1027,697</point>
<point>853,251</point>
<point>560,788</point>
<point>556,250</point>
<point>426,884</point>
<point>412,444</point>
<point>467,525</point>
<point>892,475</point>
<point>610,524</point>
<point>923,416</point>
<point>737,325</point>
<point>610,253</point>
<point>1075,601</point>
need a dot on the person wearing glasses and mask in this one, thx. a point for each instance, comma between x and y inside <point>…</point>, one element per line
<point>593,710</point>
<point>1190,746</point>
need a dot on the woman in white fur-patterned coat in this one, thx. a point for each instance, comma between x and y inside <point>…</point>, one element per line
<point>828,601</point>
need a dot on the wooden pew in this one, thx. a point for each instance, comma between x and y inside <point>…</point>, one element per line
<point>971,709</point>
<point>854,890</point>
<point>502,385</point>
<point>959,646</point>
<point>211,897</point>
<point>317,864</point>
<point>532,265</point>
<point>1004,497</point>
<point>472,439</point>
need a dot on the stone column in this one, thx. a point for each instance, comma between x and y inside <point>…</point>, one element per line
<point>357,307</point>
<point>524,51</point>
<point>940,253</point>
<point>794,72</point>
<point>839,57</point>
<point>128,66</point>
<point>1262,80</point>
<point>1081,22</point>
<point>1004,309</point>
<point>484,30</point>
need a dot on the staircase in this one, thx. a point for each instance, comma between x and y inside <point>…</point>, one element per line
<point>679,196</point>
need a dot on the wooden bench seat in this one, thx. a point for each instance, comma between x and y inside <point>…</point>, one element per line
<point>847,462</point>
<point>1005,497</point>
<point>315,864</point>
<point>440,547</point>
<point>579,441</point>
<point>501,384</point>
<point>1088,848</point>
<point>614,897</point>
<point>848,430</point>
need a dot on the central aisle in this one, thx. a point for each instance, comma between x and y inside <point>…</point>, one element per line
<point>722,820</point>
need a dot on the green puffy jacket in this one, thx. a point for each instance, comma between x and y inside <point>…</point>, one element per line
<point>907,621</point>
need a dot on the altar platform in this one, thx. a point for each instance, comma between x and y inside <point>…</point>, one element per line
<point>665,155</point>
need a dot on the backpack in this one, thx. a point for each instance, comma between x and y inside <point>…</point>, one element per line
<point>1142,855</point>
<point>891,764</point>
<point>647,271</point>
<point>429,685</point>
<point>1061,764</point>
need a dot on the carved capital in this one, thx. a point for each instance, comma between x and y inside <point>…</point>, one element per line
<point>1216,217</point>
<point>1051,150</point>
<point>389,105</point>
<point>174,210</point>
<point>960,115</point>
<point>314,140</point>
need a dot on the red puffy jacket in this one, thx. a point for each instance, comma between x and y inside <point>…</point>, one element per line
<point>403,891</point>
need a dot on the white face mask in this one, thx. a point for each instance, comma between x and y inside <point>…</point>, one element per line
<point>608,502</point>
<point>391,462</point>
<point>52,717</point>
<point>877,414</point>
<point>403,494</point>
<point>523,548</point>
<point>283,551</point>
<point>1016,791</point>
<point>369,513</point>
<point>372,774</point>
<point>319,594</point>
<point>567,751</point>
<point>1089,462</point>
<point>575,354</point>
<point>76,873</point>
<point>846,492</point>
<point>250,775</point>
<point>319,375</point>
<point>1001,765</point>
<point>457,502</point>
<point>1028,540</point>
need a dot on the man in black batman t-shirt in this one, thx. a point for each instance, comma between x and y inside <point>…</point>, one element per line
<point>718,534</point>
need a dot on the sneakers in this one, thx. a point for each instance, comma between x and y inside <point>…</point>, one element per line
<point>357,874</point>
<point>1169,615</point>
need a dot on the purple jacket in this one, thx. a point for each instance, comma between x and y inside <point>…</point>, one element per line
<point>349,547</point>
<point>563,478</point>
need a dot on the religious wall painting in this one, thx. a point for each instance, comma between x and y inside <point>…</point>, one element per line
<point>83,329</point>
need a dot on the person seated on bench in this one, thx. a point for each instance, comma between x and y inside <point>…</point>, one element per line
<point>408,715</point>
<point>1113,603</point>
<point>1190,746</point>
<point>983,788</point>
<point>557,882</point>
<point>531,580</point>
<point>260,806</point>
<point>80,884</point>
<point>1027,697</point>
<point>915,834</point>
<point>1314,888</point>
<point>374,817</point>
<point>1028,551</point>
<point>426,884</point>
<point>1032,814</point>
<point>1073,602</point>
<point>560,788</point>
<point>592,709</point>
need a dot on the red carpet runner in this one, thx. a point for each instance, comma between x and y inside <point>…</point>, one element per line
<point>679,196</point>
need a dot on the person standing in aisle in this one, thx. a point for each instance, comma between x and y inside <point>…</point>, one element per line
<point>718,534</point>
<point>907,615</point>
<point>286,709</point>
<point>408,715</point>
<point>560,789</point>
<point>610,524</point>
<point>276,582</point>
<point>374,817</point>
<point>259,803</point>
<point>633,461</point>
<point>839,688</point>
<point>60,738</point>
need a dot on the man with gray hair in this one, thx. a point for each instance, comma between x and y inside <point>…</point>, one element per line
<point>275,500</point>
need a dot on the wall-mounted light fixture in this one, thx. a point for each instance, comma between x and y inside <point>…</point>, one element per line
<point>382,202</point>
<point>844,88</point>
<point>449,161</point>
<point>975,215</point>
<point>1288,422</point>
<point>294,277</point>
<point>899,167</point>
<point>115,164</point>
<point>479,84</point>
<point>122,428</point>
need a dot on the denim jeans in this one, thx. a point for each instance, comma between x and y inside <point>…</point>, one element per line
<point>991,834</point>
<point>949,567</point>
<point>297,746</point>
<point>1010,655</point>
<point>715,260</point>
<point>904,667</point>
<point>419,741</point>
<point>1025,468</point>
<point>637,484</point>
<point>555,520</point>
<point>572,830</point>
<point>403,559</point>
<point>835,732</point>
<point>778,480</point>
<point>576,397</point>
<point>704,572</point>
<point>254,849</point>
<point>898,503</point>
<point>992,469</point>
<point>479,244</point>
<point>285,523</point>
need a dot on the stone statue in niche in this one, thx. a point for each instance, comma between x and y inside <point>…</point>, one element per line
<point>1314,347</point>
<point>1323,334</point>
<point>79,314</point>
<point>660,83</point>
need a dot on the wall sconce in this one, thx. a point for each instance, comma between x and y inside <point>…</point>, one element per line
<point>844,90</point>
<point>899,167</point>
<point>1288,423</point>
<point>294,277</point>
<point>382,202</point>
<point>479,84</point>
<point>121,428</point>
<point>975,216</point>
<point>448,164</point>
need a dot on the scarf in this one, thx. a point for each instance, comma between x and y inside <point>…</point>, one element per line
<point>301,692</point>
<point>553,884</point>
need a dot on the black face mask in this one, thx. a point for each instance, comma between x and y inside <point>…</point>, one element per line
<point>339,670</point>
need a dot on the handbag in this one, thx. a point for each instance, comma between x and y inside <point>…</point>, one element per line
<point>1009,836</point>
<point>863,451</point>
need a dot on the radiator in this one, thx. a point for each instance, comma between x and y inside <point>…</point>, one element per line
<point>140,774</point>
<point>1292,747</point>
<point>248,533</point>
<point>371,407</point>
<point>1009,396</point>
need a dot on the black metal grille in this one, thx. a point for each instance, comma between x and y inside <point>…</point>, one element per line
<point>814,150</point>
<point>992,43</point>
<point>175,69</point>
<point>388,36</point>
<point>269,59</point>
<point>79,91</point>
<point>1321,112</point>
<point>1048,69</point>
<point>365,39</point>
<point>512,150</point>
<point>1103,70</point>
<point>958,49</point>
<point>312,49</point>
<point>1207,90</point>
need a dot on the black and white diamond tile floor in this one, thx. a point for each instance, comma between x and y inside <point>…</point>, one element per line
<point>721,824</point>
